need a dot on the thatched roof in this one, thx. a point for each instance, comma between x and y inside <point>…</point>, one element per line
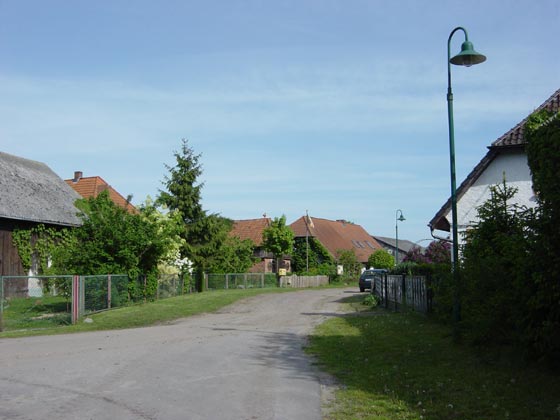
<point>31,191</point>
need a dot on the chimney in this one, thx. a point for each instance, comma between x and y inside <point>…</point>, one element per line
<point>77,176</point>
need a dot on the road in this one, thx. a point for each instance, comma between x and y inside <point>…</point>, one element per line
<point>244,362</point>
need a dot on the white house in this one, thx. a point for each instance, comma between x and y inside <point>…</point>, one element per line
<point>506,156</point>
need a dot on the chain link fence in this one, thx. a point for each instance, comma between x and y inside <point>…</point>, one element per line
<point>240,281</point>
<point>36,302</point>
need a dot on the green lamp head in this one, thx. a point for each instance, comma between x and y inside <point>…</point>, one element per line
<point>401,219</point>
<point>468,56</point>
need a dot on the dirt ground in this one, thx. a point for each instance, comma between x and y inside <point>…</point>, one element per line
<point>244,362</point>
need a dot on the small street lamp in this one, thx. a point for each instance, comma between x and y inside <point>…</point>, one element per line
<point>467,57</point>
<point>397,220</point>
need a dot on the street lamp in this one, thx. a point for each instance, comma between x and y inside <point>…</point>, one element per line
<point>467,57</point>
<point>397,220</point>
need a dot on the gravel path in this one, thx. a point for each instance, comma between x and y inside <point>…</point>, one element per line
<point>243,362</point>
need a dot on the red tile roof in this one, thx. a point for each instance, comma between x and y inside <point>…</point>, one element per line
<point>250,229</point>
<point>92,186</point>
<point>337,235</point>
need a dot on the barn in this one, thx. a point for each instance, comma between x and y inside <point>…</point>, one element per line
<point>30,194</point>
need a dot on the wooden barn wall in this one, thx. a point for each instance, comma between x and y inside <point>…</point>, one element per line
<point>10,263</point>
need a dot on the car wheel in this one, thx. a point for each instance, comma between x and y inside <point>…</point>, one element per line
<point>362,289</point>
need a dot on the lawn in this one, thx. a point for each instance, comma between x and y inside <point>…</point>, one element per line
<point>21,317</point>
<point>404,366</point>
<point>35,313</point>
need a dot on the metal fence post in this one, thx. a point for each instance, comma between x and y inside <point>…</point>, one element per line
<point>75,298</point>
<point>82,299</point>
<point>108,291</point>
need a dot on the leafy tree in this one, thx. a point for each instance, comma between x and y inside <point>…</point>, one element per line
<point>111,241</point>
<point>415,255</point>
<point>235,256</point>
<point>347,258</point>
<point>278,239</point>
<point>320,260</point>
<point>381,259</point>
<point>542,132</point>
<point>438,252</point>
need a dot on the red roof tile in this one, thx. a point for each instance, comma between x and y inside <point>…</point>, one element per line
<point>92,186</point>
<point>337,235</point>
<point>250,229</point>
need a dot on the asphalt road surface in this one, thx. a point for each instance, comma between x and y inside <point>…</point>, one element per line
<point>244,362</point>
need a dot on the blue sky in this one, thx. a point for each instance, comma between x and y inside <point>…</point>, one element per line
<point>337,107</point>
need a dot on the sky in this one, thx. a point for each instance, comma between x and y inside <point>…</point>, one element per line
<point>334,107</point>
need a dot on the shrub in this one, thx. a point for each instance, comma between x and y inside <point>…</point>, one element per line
<point>381,259</point>
<point>371,300</point>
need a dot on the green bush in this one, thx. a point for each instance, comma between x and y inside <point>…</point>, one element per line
<point>371,300</point>
<point>494,289</point>
<point>381,259</point>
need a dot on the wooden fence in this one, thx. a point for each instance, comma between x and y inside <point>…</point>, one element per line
<point>400,292</point>
<point>303,281</point>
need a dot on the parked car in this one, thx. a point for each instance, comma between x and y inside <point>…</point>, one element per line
<point>366,278</point>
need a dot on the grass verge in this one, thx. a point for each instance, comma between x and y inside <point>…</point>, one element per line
<point>151,313</point>
<point>403,366</point>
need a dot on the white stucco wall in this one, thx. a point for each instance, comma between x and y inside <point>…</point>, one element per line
<point>518,175</point>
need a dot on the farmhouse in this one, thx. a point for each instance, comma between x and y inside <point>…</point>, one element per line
<point>506,156</point>
<point>337,235</point>
<point>252,229</point>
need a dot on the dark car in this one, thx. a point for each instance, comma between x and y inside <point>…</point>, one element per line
<point>366,278</point>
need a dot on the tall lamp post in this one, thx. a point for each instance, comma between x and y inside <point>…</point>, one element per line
<point>397,220</point>
<point>467,57</point>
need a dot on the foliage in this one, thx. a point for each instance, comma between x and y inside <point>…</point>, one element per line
<point>347,258</point>
<point>371,300</point>
<point>202,234</point>
<point>111,241</point>
<point>183,193</point>
<point>415,255</point>
<point>495,271</point>
<point>543,153</point>
<point>37,245</point>
<point>438,252</point>
<point>381,259</point>
<point>205,240</point>
<point>320,260</point>
<point>235,256</point>
<point>405,267</point>
<point>169,226</point>
<point>278,238</point>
